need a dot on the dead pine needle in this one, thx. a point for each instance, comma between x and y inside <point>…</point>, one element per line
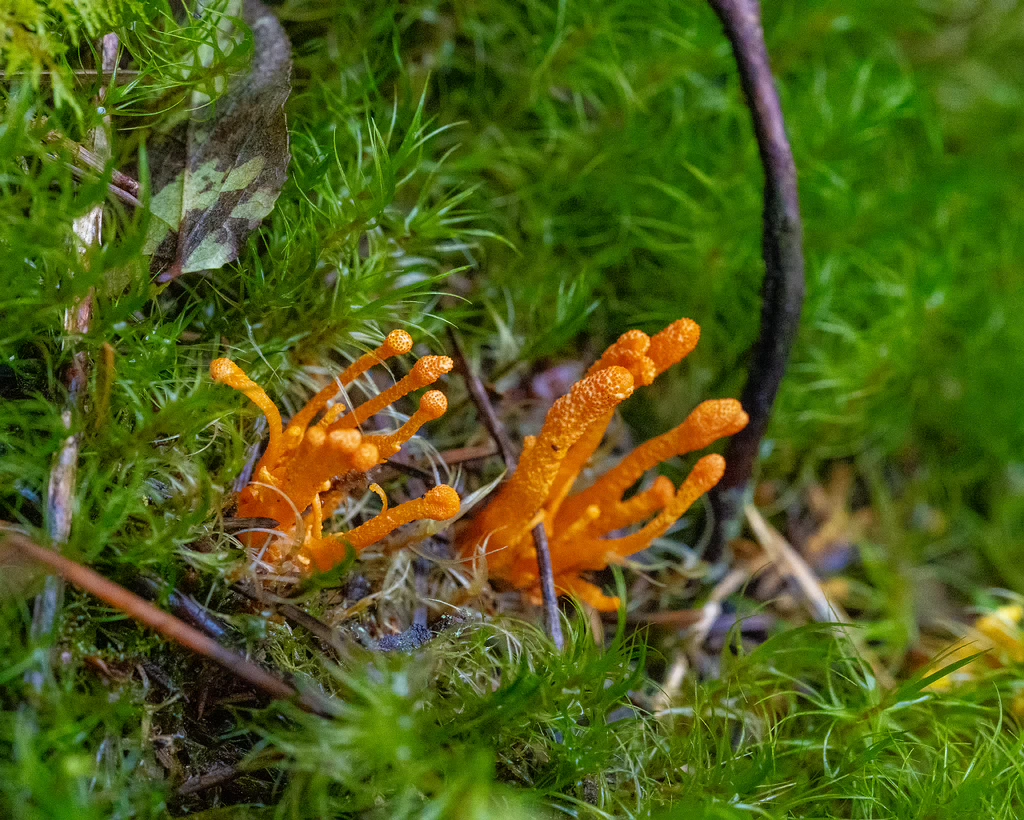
<point>164,623</point>
<point>792,565</point>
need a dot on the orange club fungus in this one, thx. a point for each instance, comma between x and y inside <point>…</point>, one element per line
<point>294,482</point>
<point>578,525</point>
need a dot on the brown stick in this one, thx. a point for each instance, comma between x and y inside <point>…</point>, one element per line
<point>552,617</point>
<point>460,455</point>
<point>183,606</point>
<point>98,163</point>
<point>63,475</point>
<point>123,77</point>
<point>300,617</point>
<point>477,391</point>
<point>400,465</point>
<point>166,624</point>
<point>125,196</point>
<point>218,775</point>
<point>782,291</point>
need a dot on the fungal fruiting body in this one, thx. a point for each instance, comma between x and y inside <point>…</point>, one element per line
<point>294,482</point>
<point>578,525</point>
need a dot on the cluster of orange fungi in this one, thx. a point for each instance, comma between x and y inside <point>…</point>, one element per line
<point>294,482</point>
<point>577,525</point>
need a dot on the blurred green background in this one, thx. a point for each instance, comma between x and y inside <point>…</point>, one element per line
<point>544,175</point>
<point>608,142</point>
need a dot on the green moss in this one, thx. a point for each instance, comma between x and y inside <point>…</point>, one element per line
<point>566,171</point>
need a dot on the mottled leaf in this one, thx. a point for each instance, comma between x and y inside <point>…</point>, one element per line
<point>219,174</point>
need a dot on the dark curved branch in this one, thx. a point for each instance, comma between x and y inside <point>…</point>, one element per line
<point>783,289</point>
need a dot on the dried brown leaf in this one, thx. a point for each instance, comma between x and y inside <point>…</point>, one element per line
<point>218,175</point>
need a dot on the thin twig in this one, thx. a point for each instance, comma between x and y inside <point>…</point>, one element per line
<point>483,404</point>
<point>499,435</point>
<point>421,574</point>
<point>184,606</point>
<point>218,775</point>
<point>61,486</point>
<point>460,455</point>
<point>782,291</point>
<point>164,623</point>
<point>791,564</point>
<point>120,193</point>
<point>104,387</point>
<point>670,689</point>
<point>297,616</point>
<point>699,620</point>
<point>121,185</point>
<point>552,616</point>
<point>400,465</point>
<point>97,162</point>
<point>552,619</point>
